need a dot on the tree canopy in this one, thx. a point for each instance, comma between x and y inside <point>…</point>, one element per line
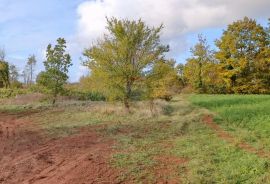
<point>56,68</point>
<point>118,62</point>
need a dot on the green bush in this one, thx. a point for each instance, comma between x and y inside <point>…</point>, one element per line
<point>84,96</point>
<point>16,85</point>
<point>167,110</point>
<point>8,93</point>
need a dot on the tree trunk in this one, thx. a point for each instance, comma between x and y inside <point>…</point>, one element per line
<point>152,107</point>
<point>126,103</point>
<point>200,85</point>
<point>31,74</point>
<point>127,96</point>
<point>54,98</point>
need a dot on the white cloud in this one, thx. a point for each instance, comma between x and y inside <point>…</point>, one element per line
<point>179,17</point>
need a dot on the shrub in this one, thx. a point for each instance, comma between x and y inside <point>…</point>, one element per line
<point>8,93</point>
<point>167,110</point>
<point>83,95</point>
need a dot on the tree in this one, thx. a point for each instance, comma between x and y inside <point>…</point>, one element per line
<point>118,61</point>
<point>267,30</point>
<point>194,69</point>
<point>56,68</point>
<point>28,72</point>
<point>180,72</point>
<point>14,74</point>
<point>31,63</point>
<point>4,70</point>
<point>240,49</point>
<point>25,75</point>
<point>162,81</point>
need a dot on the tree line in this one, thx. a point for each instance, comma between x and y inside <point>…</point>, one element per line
<point>9,73</point>
<point>240,63</point>
<point>130,63</point>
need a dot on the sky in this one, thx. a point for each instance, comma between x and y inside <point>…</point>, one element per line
<point>28,26</point>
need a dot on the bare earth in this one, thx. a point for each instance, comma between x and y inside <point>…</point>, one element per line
<point>28,156</point>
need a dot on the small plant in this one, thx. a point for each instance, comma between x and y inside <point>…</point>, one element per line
<point>167,110</point>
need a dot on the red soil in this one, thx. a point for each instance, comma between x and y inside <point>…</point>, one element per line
<point>28,156</point>
<point>208,120</point>
<point>167,170</point>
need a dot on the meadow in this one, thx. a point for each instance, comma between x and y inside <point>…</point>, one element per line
<point>245,116</point>
<point>171,143</point>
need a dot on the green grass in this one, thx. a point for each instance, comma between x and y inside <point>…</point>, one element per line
<point>174,131</point>
<point>245,116</point>
<point>210,159</point>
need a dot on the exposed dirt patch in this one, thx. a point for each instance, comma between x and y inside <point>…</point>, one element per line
<point>29,156</point>
<point>208,120</point>
<point>168,167</point>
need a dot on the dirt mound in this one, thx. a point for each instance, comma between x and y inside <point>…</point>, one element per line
<point>28,156</point>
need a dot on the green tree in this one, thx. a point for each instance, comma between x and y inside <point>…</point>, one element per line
<point>195,67</point>
<point>241,48</point>
<point>267,30</point>
<point>28,72</point>
<point>118,61</point>
<point>14,77</point>
<point>4,70</point>
<point>56,68</point>
<point>31,63</point>
<point>13,73</point>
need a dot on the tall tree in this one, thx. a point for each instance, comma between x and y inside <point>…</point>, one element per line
<point>194,69</point>
<point>25,75</point>
<point>28,72</point>
<point>119,60</point>
<point>56,66</point>
<point>31,63</point>
<point>14,74</point>
<point>240,49</point>
<point>180,72</point>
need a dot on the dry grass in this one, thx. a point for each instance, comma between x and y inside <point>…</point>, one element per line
<point>140,109</point>
<point>23,99</point>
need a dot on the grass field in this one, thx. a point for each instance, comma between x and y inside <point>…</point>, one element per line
<point>245,116</point>
<point>172,143</point>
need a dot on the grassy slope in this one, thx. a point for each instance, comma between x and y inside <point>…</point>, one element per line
<point>176,131</point>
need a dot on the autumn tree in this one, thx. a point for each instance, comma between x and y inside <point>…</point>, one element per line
<point>162,80</point>
<point>180,72</point>
<point>262,66</point>
<point>56,68</point>
<point>194,69</point>
<point>242,54</point>
<point>119,60</point>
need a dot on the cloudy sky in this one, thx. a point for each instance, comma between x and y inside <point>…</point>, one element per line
<point>26,27</point>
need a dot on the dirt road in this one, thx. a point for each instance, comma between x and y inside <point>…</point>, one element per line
<point>29,156</point>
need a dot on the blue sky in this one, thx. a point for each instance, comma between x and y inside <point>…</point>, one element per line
<point>28,26</point>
